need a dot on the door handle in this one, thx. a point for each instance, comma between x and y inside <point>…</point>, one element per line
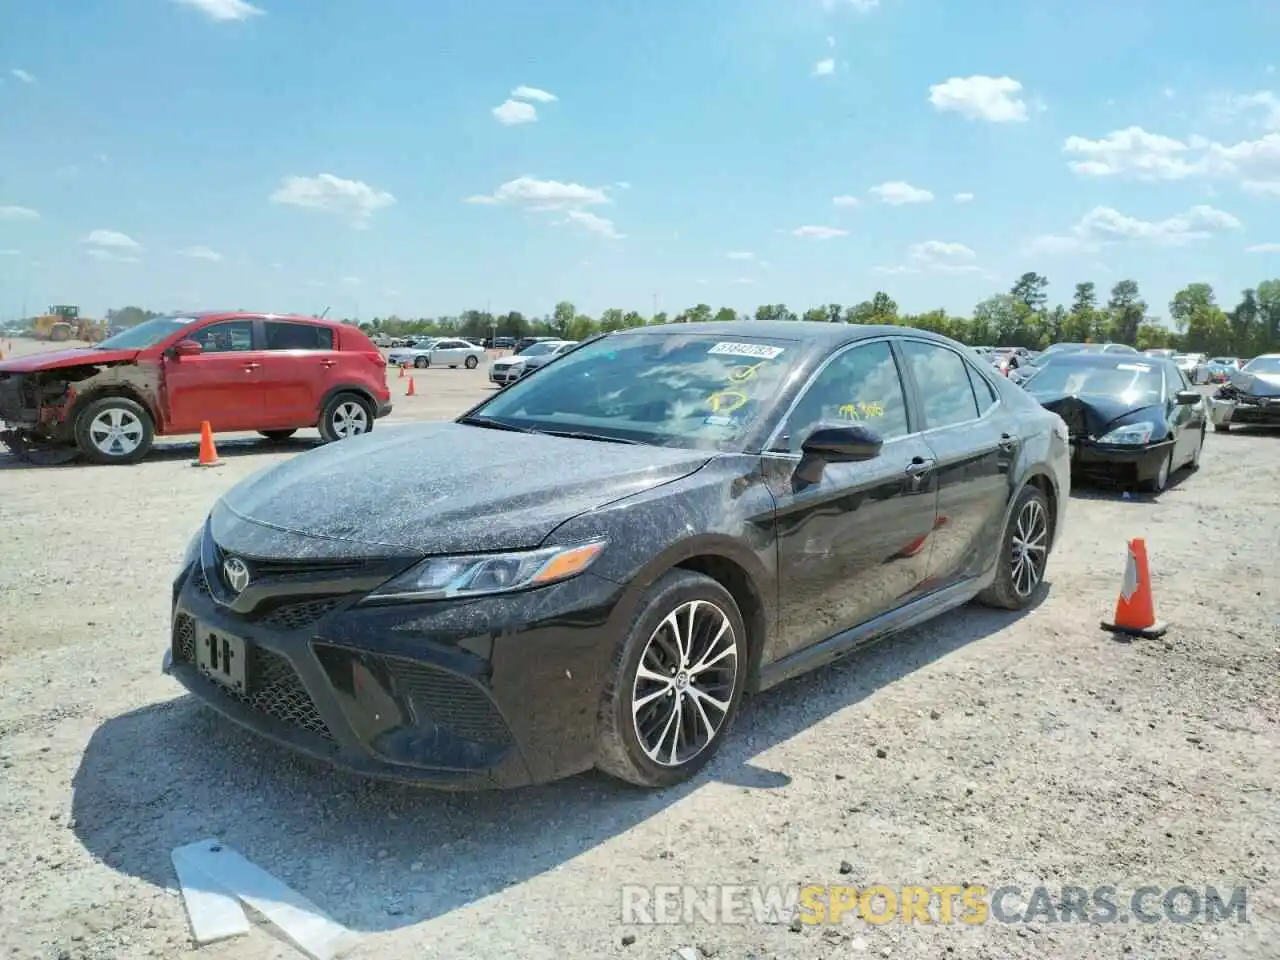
<point>919,465</point>
<point>1008,442</point>
<point>250,367</point>
<point>328,363</point>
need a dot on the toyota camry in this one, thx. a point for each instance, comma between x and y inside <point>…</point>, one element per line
<point>593,567</point>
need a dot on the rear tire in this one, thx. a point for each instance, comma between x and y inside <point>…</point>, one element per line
<point>1024,553</point>
<point>114,430</point>
<point>422,362</point>
<point>346,415</point>
<point>690,692</point>
<point>472,363</point>
<point>275,436</point>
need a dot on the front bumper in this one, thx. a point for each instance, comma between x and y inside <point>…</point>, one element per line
<point>505,375</point>
<point>1113,463</point>
<point>489,693</point>
<point>384,408</point>
<point>1251,411</point>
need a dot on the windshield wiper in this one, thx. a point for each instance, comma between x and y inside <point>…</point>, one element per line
<point>583,435</point>
<point>493,424</point>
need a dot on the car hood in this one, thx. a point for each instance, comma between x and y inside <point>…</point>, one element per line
<point>1094,416</point>
<point>437,488</point>
<point>1257,384</point>
<point>56,359</point>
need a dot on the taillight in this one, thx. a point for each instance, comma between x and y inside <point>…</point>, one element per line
<point>377,359</point>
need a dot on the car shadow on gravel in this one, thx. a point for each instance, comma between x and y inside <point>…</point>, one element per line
<point>1099,490</point>
<point>380,856</point>
<point>180,450</point>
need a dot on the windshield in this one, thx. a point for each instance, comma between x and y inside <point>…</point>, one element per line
<point>538,349</point>
<point>1064,347</point>
<point>145,334</point>
<point>668,390</point>
<point>1137,384</point>
<point>1265,365</point>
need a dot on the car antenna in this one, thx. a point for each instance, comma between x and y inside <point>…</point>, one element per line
<point>322,315</point>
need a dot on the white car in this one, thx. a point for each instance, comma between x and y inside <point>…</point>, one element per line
<point>510,369</point>
<point>444,352</point>
<point>1194,365</point>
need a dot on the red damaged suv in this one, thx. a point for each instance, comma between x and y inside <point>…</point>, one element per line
<point>271,373</point>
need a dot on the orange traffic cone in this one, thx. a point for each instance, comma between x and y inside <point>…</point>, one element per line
<point>411,391</point>
<point>1135,608</point>
<point>208,452</point>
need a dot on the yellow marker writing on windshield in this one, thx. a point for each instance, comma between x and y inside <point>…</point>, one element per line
<point>727,401</point>
<point>743,374</point>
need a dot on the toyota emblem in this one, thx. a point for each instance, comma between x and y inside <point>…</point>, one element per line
<point>236,573</point>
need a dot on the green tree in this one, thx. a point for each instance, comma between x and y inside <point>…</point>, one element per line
<point>562,318</point>
<point>774,311</point>
<point>1127,311</point>
<point>1031,289</point>
<point>725,314</point>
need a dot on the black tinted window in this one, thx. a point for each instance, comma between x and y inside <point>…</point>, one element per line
<point>861,384</point>
<point>297,336</point>
<point>232,335</point>
<point>946,394</point>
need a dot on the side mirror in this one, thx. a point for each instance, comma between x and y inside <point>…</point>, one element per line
<point>187,348</point>
<point>1188,398</point>
<point>842,443</point>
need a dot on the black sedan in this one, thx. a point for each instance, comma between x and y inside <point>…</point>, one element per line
<point>594,566</point>
<point>1133,420</point>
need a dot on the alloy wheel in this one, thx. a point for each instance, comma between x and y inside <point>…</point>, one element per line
<point>350,419</point>
<point>116,432</point>
<point>1029,547</point>
<point>684,683</point>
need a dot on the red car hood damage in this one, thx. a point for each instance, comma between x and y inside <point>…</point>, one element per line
<point>57,359</point>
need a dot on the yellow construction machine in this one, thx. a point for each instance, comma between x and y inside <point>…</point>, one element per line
<point>63,322</point>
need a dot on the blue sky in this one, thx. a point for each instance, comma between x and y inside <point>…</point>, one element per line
<point>297,154</point>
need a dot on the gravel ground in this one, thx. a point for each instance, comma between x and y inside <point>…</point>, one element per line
<point>988,748</point>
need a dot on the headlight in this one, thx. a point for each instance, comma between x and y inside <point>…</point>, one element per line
<point>441,578</point>
<point>517,367</point>
<point>1133,434</point>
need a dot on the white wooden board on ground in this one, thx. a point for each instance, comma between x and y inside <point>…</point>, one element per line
<point>216,880</point>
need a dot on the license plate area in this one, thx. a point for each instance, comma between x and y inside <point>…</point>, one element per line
<point>221,657</point>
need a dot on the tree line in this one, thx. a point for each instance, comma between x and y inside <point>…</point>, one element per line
<point>1022,317</point>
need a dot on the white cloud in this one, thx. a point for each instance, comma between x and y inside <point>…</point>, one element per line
<point>1262,187</point>
<point>963,197</point>
<point>1264,104</point>
<point>1263,248</point>
<point>110,240</point>
<point>1170,93</point>
<point>831,42</point>
<point>939,251</point>
<point>896,192</point>
<point>993,99</point>
<point>201,253</point>
<point>623,185</point>
<point>110,256</point>
<point>23,75</point>
<point>533,93</point>
<point>937,256</point>
<point>1147,156</point>
<point>861,6</point>
<point>224,10</point>
<point>593,224</point>
<point>744,281</point>
<point>537,194</point>
<point>1104,225</point>
<point>893,270</point>
<point>352,199</point>
<point>819,233</point>
<point>824,68</point>
<point>511,112</point>
<point>18,213</point>
<point>844,200</point>
<point>351,281</point>
<point>740,255</point>
<point>10,253</point>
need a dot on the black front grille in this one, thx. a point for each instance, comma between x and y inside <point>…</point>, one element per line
<point>274,687</point>
<point>449,701</point>
<point>294,616</point>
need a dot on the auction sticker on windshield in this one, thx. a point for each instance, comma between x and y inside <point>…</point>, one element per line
<point>731,349</point>
<point>1135,367</point>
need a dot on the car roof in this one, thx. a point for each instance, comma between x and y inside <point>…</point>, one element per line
<point>253,315</point>
<point>815,332</point>
<point>1109,358</point>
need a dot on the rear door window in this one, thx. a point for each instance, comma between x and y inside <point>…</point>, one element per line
<point>297,336</point>
<point>229,336</point>
<point>942,379</point>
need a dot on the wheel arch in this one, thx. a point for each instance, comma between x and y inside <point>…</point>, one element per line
<point>361,391</point>
<point>122,390</point>
<point>1042,481</point>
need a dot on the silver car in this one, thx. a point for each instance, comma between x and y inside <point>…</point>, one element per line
<point>510,369</point>
<point>443,352</point>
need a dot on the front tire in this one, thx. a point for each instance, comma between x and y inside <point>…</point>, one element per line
<point>422,362</point>
<point>1195,454</point>
<point>677,683</point>
<point>1158,483</point>
<point>346,415</point>
<point>1024,553</point>
<point>114,430</point>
